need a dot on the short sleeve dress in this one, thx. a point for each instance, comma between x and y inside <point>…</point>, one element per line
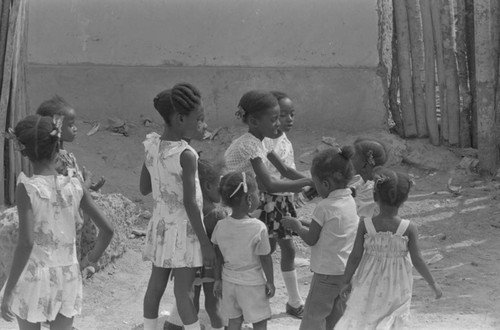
<point>245,148</point>
<point>171,241</point>
<point>51,281</point>
<point>382,284</point>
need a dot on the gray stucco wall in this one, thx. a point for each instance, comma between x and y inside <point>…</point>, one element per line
<point>111,57</point>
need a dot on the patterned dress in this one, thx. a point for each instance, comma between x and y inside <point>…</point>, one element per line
<point>382,284</point>
<point>171,241</point>
<point>51,281</point>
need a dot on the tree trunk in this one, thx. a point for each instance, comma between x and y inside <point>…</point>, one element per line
<point>471,65</point>
<point>394,87</point>
<point>404,63</point>
<point>417,61</point>
<point>451,76</point>
<point>438,44</point>
<point>384,46</point>
<point>463,75</point>
<point>488,151</point>
<point>430,73</point>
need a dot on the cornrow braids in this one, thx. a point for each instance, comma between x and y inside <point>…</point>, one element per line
<point>186,98</point>
<point>255,103</point>
<point>373,152</point>
<point>36,134</point>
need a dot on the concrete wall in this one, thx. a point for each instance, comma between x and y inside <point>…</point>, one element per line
<point>110,57</point>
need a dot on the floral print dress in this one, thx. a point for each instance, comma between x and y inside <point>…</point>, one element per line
<point>382,284</point>
<point>170,239</point>
<point>51,282</point>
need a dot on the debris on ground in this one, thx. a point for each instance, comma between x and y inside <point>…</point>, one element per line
<point>118,126</point>
<point>95,127</point>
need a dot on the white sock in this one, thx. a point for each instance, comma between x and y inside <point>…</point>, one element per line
<point>174,317</point>
<point>193,326</point>
<point>292,287</point>
<point>150,324</point>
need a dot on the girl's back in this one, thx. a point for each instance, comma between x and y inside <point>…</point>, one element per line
<point>55,201</point>
<point>382,284</point>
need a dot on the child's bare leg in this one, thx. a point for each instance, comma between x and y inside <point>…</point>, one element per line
<point>235,324</point>
<point>262,325</point>
<point>25,325</point>
<point>62,323</point>
<point>287,254</point>
<point>196,298</point>
<point>156,286</point>
<point>212,305</point>
<point>272,242</point>
<point>183,290</point>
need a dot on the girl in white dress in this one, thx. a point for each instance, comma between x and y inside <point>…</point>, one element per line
<point>253,153</point>
<point>45,283</point>
<point>176,238</point>
<point>379,269</point>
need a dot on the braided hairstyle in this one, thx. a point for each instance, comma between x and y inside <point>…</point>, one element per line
<point>36,134</point>
<point>391,187</point>
<point>334,164</point>
<point>183,98</point>
<point>228,185</point>
<point>54,106</point>
<point>255,103</point>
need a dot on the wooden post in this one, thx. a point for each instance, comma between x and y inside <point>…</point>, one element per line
<point>487,144</point>
<point>463,75</point>
<point>471,66</point>
<point>394,87</point>
<point>404,63</point>
<point>430,73</point>
<point>417,61</point>
<point>438,44</point>
<point>450,72</point>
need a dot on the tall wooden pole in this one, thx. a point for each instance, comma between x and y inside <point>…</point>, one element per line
<point>487,144</point>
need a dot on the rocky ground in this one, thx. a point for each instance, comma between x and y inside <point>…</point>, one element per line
<point>458,222</point>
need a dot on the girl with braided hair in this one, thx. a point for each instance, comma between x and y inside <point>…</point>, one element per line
<point>176,240</point>
<point>379,269</point>
<point>45,283</point>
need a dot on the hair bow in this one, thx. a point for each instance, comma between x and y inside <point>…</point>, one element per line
<point>243,184</point>
<point>11,135</point>
<point>240,113</point>
<point>57,120</point>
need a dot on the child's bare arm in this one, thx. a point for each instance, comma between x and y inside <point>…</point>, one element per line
<point>188,164</point>
<point>218,272</point>
<point>310,235</point>
<point>267,267</point>
<point>418,261</point>
<point>145,182</point>
<point>105,228</point>
<point>23,248</point>
<point>356,253</point>
<point>287,172</point>
<point>271,185</point>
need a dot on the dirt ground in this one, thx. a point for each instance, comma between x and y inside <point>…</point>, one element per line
<point>458,232</point>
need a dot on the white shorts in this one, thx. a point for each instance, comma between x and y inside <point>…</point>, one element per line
<point>249,301</point>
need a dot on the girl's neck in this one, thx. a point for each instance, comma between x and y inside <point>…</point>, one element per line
<point>170,134</point>
<point>255,132</point>
<point>45,167</point>
<point>240,214</point>
<point>387,211</point>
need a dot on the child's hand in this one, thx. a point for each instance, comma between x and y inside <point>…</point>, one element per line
<point>290,223</point>
<point>209,256</point>
<point>218,289</point>
<point>7,314</point>
<point>437,290</point>
<point>270,290</point>
<point>345,291</point>
<point>87,177</point>
<point>95,186</point>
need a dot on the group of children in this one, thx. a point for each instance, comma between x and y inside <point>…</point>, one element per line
<point>361,250</point>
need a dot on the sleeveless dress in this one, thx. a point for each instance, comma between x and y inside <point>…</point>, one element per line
<point>382,285</point>
<point>171,241</point>
<point>51,282</point>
